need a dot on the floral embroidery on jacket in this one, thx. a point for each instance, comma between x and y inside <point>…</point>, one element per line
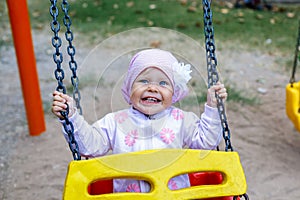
<point>167,135</point>
<point>121,117</point>
<point>131,137</point>
<point>133,188</point>
<point>177,114</point>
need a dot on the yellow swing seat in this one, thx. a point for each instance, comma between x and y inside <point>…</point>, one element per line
<point>157,167</point>
<point>292,103</point>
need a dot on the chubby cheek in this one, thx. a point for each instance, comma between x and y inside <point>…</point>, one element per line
<point>135,95</point>
<point>134,100</point>
<point>167,103</point>
<point>168,95</point>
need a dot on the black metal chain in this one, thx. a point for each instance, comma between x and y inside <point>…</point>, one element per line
<point>59,75</point>
<point>212,72</point>
<point>292,80</point>
<point>71,51</point>
<point>213,76</point>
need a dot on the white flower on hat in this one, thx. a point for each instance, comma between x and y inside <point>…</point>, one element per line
<point>181,73</point>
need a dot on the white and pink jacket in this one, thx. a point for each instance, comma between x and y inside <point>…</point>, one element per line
<point>129,130</point>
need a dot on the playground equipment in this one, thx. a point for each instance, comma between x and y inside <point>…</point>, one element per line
<point>293,91</point>
<point>140,165</point>
<point>20,25</point>
<point>213,174</point>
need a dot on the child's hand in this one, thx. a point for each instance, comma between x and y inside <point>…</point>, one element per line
<point>59,104</point>
<point>221,92</point>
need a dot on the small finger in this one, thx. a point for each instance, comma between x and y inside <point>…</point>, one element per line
<point>59,103</point>
<point>222,90</point>
<point>223,95</point>
<point>58,99</point>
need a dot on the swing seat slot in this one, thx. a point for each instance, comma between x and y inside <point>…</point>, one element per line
<point>292,103</point>
<point>198,178</point>
<point>158,167</point>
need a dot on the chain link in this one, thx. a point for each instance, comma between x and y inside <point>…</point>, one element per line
<point>212,72</point>
<point>71,51</point>
<point>59,75</point>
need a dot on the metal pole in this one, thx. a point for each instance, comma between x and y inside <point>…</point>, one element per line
<point>21,32</point>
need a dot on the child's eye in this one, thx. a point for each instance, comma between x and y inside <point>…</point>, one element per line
<point>144,81</point>
<point>163,83</point>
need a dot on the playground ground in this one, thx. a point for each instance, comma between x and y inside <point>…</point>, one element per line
<point>35,167</point>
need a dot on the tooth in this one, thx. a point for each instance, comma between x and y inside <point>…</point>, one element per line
<point>151,99</point>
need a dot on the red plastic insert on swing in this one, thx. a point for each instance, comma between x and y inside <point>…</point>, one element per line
<point>199,178</point>
<point>208,178</point>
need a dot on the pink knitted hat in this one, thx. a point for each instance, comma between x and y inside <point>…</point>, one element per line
<point>178,73</point>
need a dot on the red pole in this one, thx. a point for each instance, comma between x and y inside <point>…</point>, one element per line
<point>20,25</point>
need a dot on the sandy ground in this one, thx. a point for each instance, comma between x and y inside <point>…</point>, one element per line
<point>35,167</point>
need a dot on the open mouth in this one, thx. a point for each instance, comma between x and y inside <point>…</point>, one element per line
<point>151,100</point>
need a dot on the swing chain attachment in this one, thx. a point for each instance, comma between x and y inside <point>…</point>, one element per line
<point>241,196</point>
<point>59,73</point>
<point>292,79</point>
<point>212,72</point>
<point>69,128</point>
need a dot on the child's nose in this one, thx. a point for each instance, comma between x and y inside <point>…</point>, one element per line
<point>152,86</point>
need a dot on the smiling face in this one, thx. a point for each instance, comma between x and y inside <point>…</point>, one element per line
<point>152,91</point>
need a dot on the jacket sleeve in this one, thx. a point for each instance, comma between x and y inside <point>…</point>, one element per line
<point>93,140</point>
<point>206,132</point>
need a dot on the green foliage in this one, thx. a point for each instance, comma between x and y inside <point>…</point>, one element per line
<point>271,31</point>
<point>268,30</point>
<point>265,30</point>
